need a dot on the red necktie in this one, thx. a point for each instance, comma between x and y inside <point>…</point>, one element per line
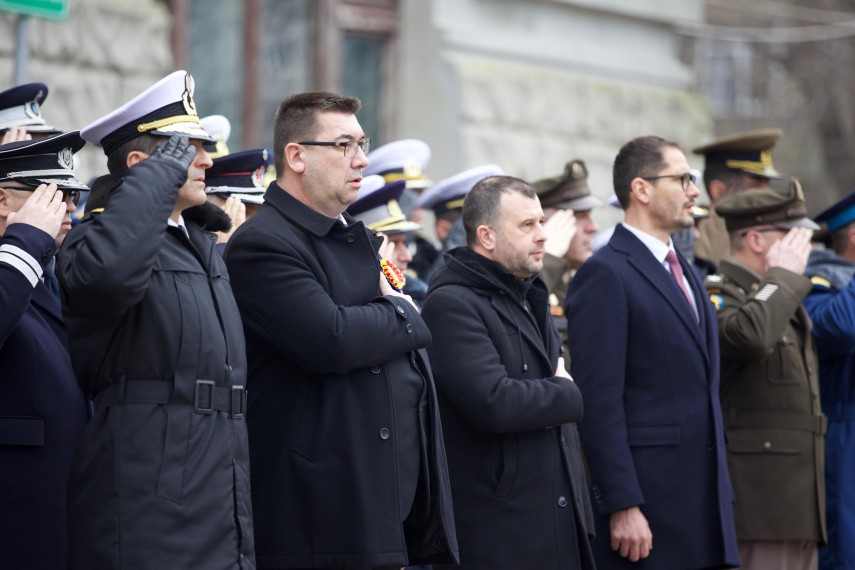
<point>677,274</point>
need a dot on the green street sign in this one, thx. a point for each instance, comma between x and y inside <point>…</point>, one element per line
<point>52,9</point>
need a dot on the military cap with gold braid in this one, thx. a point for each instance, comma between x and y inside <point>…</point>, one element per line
<point>568,190</point>
<point>377,206</point>
<point>755,207</point>
<point>164,109</point>
<point>404,159</point>
<point>749,152</point>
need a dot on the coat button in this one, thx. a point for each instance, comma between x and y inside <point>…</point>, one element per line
<point>409,328</point>
<point>375,370</point>
<point>767,445</point>
<point>350,238</point>
<point>710,446</point>
<point>400,309</point>
<point>562,501</point>
<point>384,433</point>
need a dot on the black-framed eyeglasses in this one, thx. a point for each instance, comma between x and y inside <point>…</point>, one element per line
<point>685,179</point>
<point>67,193</point>
<point>350,147</point>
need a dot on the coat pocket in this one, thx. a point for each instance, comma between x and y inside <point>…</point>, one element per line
<point>786,365</point>
<point>766,442</point>
<point>508,466</point>
<point>22,430</point>
<point>653,435</point>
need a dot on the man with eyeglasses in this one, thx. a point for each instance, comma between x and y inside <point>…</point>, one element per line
<point>733,164</point>
<point>769,380</point>
<point>348,462</point>
<point>645,356</point>
<point>42,409</point>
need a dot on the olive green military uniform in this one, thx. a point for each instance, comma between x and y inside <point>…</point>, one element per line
<point>746,152</point>
<point>566,191</point>
<point>770,402</point>
<point>713,244</point>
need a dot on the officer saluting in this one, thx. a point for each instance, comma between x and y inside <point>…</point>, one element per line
<point>769,383</point>
<point>161,473</point>
<point>733,164</point>
<point>42,409</point>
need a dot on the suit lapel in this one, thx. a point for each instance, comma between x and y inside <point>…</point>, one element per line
<point>46,301</point>
<point>642,260</point>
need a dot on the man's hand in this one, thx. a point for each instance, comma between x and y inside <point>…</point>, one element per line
<point>178,150</point>
<point>560,229</point>
<point>631,535</point>
<point>387,248</point>
<point>387,291</point>
<point>790,252</point>
<point>561,370</point>
<point>236,211</point>
<point>14,134</point>
<point>44,209</point>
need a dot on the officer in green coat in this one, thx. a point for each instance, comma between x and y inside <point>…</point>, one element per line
<point>769,384</point>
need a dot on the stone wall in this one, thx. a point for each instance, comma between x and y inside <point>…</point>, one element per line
<point>107,52</point>
<point>531,84</point>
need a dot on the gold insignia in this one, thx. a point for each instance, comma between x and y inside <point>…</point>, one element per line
<point>395,210</point>
<point>412,170</point>
<point>717,301</point>
<point>820,281</point>
<point>187,96</point>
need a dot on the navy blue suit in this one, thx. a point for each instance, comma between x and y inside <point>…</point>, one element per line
<point>42,410</point>
<point>652,431</point>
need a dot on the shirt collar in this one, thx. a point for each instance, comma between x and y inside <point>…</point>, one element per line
<point>656,247</point>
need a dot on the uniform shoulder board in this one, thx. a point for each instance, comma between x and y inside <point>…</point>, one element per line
<point>714,278</point>
<point>820,282</point>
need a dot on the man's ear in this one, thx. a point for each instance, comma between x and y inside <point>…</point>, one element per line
<point>5,206</point>
<point>486,238</point>
<point>135,157</point>
<point>294,158</point>
<point>640,188</point>
<point>716,189</point>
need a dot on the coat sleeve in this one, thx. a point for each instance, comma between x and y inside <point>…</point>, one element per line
<point>107,261</point>
<point>299,319</point>
<point>597,310</point>
<point>833,316</point>
<point>749,330</point>
<point>469,371</point>
<point>24,249</point>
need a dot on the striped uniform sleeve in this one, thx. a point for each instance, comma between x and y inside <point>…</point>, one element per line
<point>19,259</point>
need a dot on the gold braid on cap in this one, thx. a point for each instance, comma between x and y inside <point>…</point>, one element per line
<point>160,123</point>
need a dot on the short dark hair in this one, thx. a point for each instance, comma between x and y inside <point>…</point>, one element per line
<point>733,180</point>
<point>481,206</point>
<point>297,115</point>
<point>639,157</point>
<point>117,160</point>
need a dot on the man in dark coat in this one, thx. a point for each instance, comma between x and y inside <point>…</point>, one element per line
<point>643,337</point>
<point>348,465</point>
<point>508,403</point>
<point>161,473</point>
<point>769,380</point>
<point>42,409</point>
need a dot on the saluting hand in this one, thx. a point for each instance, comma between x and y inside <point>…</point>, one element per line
<point>236,211</point>
<point>15,134</point>
<point>560,229</point>
<point>44,209</point>
<point>790,252</point>
<point>631,535</point>
<point>177,149</point>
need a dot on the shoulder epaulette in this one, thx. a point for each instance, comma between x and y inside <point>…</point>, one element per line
<point>821,282</point>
